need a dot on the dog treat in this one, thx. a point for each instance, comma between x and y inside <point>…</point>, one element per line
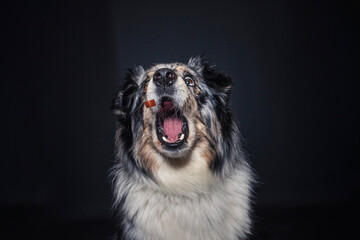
<point>150,103</point>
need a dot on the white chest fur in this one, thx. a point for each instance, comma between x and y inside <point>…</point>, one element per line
<point>219,213</point>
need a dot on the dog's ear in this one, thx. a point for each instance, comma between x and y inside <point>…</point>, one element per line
<point>116,105</point>
<point>123,100</point>
<point>220,82</point>
<point>217,80</point>
<point>196,63</point>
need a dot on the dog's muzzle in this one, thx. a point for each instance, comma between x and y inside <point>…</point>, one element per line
<point>164,77</point>
<point>164,80</point>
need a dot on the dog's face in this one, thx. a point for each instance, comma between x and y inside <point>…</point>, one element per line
<point>174,122</point>
<point>190,120</point>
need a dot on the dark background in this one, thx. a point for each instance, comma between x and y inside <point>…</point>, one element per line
<point>296,71</point>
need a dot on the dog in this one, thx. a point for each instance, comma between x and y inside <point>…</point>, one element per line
<point>180,171</point>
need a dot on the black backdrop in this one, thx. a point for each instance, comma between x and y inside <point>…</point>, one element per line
<point>296,71</point>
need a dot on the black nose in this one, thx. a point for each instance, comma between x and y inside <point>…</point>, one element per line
<point>164,77</point>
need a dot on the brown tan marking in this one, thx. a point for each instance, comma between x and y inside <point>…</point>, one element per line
<point>181,68</point>
<point>207,152</point>
<point>145,146</point>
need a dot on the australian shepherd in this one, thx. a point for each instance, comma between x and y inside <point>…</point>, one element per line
<point>180,171</point>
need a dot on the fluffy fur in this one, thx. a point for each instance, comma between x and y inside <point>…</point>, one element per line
<point>200,189</point>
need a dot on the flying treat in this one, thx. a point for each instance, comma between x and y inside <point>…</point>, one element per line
<point>150,103</point>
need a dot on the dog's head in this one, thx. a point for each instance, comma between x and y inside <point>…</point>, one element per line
<point>190,120</point>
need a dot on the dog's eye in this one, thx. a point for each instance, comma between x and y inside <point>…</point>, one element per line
<point>189,81</point>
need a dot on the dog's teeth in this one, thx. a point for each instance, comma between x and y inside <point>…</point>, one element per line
<point>181,136</point>
<point>165,139</point>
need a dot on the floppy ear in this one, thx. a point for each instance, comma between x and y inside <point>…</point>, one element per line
<point>123,100</point>
<point>196,63</point>
<point>216,80</point>
<point>116,105</point>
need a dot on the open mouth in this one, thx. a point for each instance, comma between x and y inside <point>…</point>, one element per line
<point>171,126</point>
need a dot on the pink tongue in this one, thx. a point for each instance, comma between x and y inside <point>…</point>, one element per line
<point>172,128</point>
